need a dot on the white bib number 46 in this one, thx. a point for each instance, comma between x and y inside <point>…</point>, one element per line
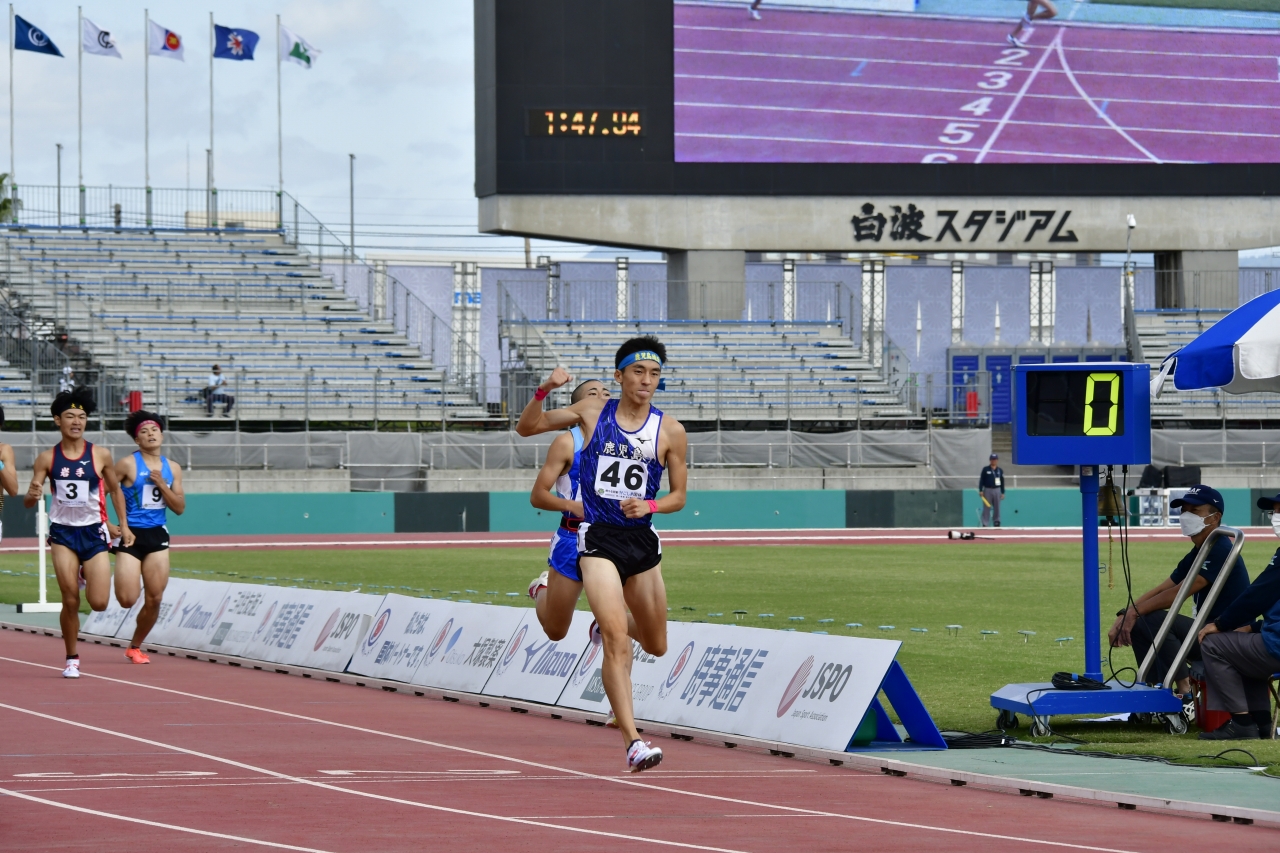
<point>618,478</point>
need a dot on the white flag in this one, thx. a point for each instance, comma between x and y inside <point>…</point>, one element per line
<point>294,48</point>
<point>164,42</point>
<point>97,41</point>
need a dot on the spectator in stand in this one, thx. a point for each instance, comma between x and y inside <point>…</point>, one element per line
<point>67,382</point>
<point>1241,656</point>
<point>215,393</point>
<point>991,490</point>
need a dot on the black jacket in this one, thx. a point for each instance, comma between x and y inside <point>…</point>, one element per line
<point>987,479</point>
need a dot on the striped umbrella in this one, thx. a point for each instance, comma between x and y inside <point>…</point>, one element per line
<point>1239,354</point>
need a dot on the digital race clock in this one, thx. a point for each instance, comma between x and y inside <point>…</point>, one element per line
<point>1094,413</point>
<point>608,123</point>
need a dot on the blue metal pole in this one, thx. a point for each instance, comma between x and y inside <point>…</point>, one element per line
<point>1089,532</point>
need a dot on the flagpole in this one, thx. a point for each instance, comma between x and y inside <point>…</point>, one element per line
<point>213,223</point>
<point>80,108</point>
<point>146,98</point>
<point>13,189</point>
<point>279,115</point>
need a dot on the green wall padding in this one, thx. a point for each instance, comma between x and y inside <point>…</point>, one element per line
<point>292,512</point>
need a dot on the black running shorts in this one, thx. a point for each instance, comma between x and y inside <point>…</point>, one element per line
<point>632,550</point>
<point>146,540</point>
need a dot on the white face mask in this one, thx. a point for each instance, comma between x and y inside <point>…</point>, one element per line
<point>1191,523</point>
<point>1275,523</point>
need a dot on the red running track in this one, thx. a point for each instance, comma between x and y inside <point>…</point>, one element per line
<point>209,757</point>
<point>804,86</point>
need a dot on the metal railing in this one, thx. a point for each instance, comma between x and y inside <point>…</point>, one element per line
<point>1201,290</point>
<point>147,208</point>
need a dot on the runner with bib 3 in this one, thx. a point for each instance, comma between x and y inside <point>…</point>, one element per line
<point>628,444</point>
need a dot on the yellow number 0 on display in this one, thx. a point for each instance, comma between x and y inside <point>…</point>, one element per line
<point>1113,380</point>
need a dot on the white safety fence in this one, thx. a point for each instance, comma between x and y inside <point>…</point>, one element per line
<point>805,689</point>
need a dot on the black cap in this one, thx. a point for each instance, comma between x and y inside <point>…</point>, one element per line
<point>994,456</point>
<point>1268,503</point>
<point>1199,496</point>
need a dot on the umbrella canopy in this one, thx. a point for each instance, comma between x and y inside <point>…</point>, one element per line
<point>1239,354</point>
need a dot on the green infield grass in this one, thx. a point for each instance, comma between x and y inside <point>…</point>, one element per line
<point>981,586</point>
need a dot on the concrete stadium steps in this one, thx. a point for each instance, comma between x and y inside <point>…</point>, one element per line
<point>726,370</point>
<point>1165,332</point>
<point>163,307</point>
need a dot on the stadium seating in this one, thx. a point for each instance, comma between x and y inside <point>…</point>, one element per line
<point>161,308</point>
<point>1163,332</point>
<point>734,371</point>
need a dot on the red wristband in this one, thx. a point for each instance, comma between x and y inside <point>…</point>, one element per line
<point>653,506</point>
<point>540,394</point>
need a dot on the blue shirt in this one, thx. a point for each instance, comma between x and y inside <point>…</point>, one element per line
<point>1262,598</point>
<point>616,465</point>
<point>1236,584</point>
<point>144,502</point>
<point>991,478</point>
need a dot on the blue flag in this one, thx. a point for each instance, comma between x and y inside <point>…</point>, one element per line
<point>30,37</point>
<point>229,43</point>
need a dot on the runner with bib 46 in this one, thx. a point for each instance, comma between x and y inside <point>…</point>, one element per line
<point>627,445</point>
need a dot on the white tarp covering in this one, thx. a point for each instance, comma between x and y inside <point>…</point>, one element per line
<point>465,644</point>
<point>534,667</point>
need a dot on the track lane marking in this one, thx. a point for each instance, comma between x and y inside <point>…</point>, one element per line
<point>170,826</point>
<point>1017,99</point>
<point>1102,114</point>
<point>579,773</point>
<point>265,771</point>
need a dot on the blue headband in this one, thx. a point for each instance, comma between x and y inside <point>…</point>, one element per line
<point>642,355</point>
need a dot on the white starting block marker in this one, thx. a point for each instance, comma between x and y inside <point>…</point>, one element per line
<point>1027,635</point>
<point>853,624</point>
<point>954,630</point>
<point>886,627</point>
<point>921,630</point>
<point>985,633</point>
<point>1061,640</point>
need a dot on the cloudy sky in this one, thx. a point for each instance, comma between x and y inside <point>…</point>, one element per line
<point>393,85</point>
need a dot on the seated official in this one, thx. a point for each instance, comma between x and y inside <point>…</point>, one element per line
<point>1136,625</point>
<point>1241,656</point>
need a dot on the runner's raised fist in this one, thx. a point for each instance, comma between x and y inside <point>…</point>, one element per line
<point>558,377</point>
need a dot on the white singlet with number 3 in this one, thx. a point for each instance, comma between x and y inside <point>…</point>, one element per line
<point>619,478</point>
<point>153,498</point>
<point>72,492</point>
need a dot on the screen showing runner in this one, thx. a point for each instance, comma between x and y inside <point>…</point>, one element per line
<point>952,81</point>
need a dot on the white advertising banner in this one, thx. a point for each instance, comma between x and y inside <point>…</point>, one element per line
<point>289,614</point>
<point>337,623</point>
<point>535,668</point>
<point>585,690</point>
<point>108,622</point>
<point>187,612</point>
<point>243,609</point>
<point>806,689</point>
<point>397,641</point>
<point>465,643</point>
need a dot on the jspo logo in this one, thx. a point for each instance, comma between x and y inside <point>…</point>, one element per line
<point>584,666</point>
<point>328,626</point>
<point>439,640</point>
<point>374,633</point>
<point>792,691</point>
<point>829,682</point>
<point>677,669</point>
<point>512,647</point>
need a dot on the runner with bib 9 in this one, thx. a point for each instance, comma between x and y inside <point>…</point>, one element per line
<point>627,445</point>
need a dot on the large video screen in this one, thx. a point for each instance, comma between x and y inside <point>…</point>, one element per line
<point>953,81</point>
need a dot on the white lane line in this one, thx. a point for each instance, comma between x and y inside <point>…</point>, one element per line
<point>1017,99</point>
<point>829,111</point>
<point>954,66</point>
<point>730,78</point>
<point>1062,58</point>
<point>220,835</point>
<point>580,773</point>
<point>356,793</point>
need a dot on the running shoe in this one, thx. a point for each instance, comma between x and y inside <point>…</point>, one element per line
<point>612,722</point>
<point>73,668</point>
<point>1013,41</point>
<point>80,578</point>
<point>136,655</point>
<point>594,633</point>
<point>537,585</point>
<point>1189,707</point>
<point>755,15</point>
<point>1230,731</point>
<point>641,756</point>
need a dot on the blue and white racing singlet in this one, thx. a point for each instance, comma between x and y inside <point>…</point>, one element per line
<point>144,502</point>
<point>569,486</point>
<point>617,464</point>
<point>78,497</point>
